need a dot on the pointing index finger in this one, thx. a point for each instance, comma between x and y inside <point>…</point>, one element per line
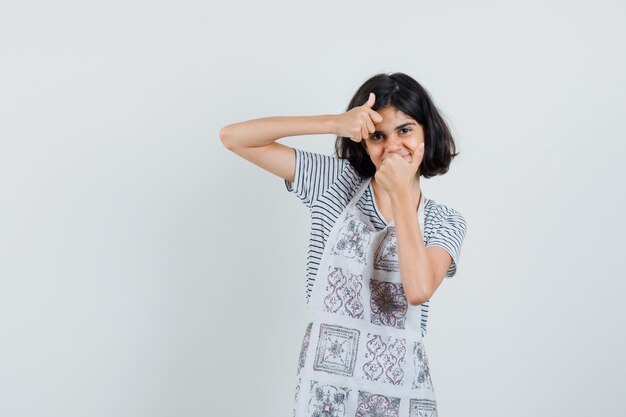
<point>375,116</point>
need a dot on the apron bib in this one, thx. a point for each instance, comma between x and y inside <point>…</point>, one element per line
<point>363,352</point>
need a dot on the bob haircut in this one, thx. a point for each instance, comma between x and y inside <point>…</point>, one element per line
<point>407,95</point>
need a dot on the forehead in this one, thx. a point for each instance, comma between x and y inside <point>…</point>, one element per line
<point>392,115</point>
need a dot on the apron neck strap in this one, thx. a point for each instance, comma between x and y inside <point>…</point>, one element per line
<point>366,182</point>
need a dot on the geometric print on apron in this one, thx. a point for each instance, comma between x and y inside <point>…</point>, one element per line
<point>362,353</point>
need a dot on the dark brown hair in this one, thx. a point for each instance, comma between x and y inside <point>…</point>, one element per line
<point>407,95</point>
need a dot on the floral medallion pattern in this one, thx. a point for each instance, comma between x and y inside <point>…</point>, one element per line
<point>377,405</point>
<point>336,350</point>
<point>421,378</point>
<point>388,304</point>
<point>327,400</point>
<point>386,256</point>
<point>352,240</point>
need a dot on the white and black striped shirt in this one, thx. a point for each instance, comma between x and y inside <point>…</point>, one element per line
<point>326,184</point>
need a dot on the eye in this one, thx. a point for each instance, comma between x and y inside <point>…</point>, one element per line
<point>374,136</point>
<point>406,128</point>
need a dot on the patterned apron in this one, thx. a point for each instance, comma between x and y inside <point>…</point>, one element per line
<point>362,354</point>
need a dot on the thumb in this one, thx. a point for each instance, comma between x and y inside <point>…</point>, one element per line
<point>377,118</point>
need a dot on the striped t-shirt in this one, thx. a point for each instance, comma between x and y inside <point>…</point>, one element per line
<point>326,184</point>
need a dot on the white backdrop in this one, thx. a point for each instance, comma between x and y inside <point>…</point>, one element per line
<point>145,270</point>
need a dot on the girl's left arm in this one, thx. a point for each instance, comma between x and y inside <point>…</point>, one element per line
<point>422,269</point>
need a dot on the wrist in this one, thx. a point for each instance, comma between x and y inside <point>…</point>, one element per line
<point>330,124</point>
<point>400,196</point>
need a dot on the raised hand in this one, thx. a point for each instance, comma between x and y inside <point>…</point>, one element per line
<point>358,122</point>
<point>396,174</point>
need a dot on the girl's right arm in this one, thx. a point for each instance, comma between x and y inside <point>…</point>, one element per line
<point>255,140</point>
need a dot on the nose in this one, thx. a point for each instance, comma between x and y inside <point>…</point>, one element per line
<point>393,144</point>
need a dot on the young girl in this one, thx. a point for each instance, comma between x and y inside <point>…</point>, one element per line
<point>378,248</point>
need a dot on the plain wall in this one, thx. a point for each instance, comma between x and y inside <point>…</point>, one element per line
<point>145,270</point>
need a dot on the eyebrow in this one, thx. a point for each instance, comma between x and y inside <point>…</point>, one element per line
<point>397,127</point>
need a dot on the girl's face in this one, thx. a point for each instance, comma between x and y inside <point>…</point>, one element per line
<point>397,133</point>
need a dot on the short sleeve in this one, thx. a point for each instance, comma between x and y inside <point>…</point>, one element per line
<point>449,235</point>
<point>314,174</point>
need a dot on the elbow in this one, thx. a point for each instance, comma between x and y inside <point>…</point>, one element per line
<point>225,138</point>
<point>415,301</point>
<point>421,298</point>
